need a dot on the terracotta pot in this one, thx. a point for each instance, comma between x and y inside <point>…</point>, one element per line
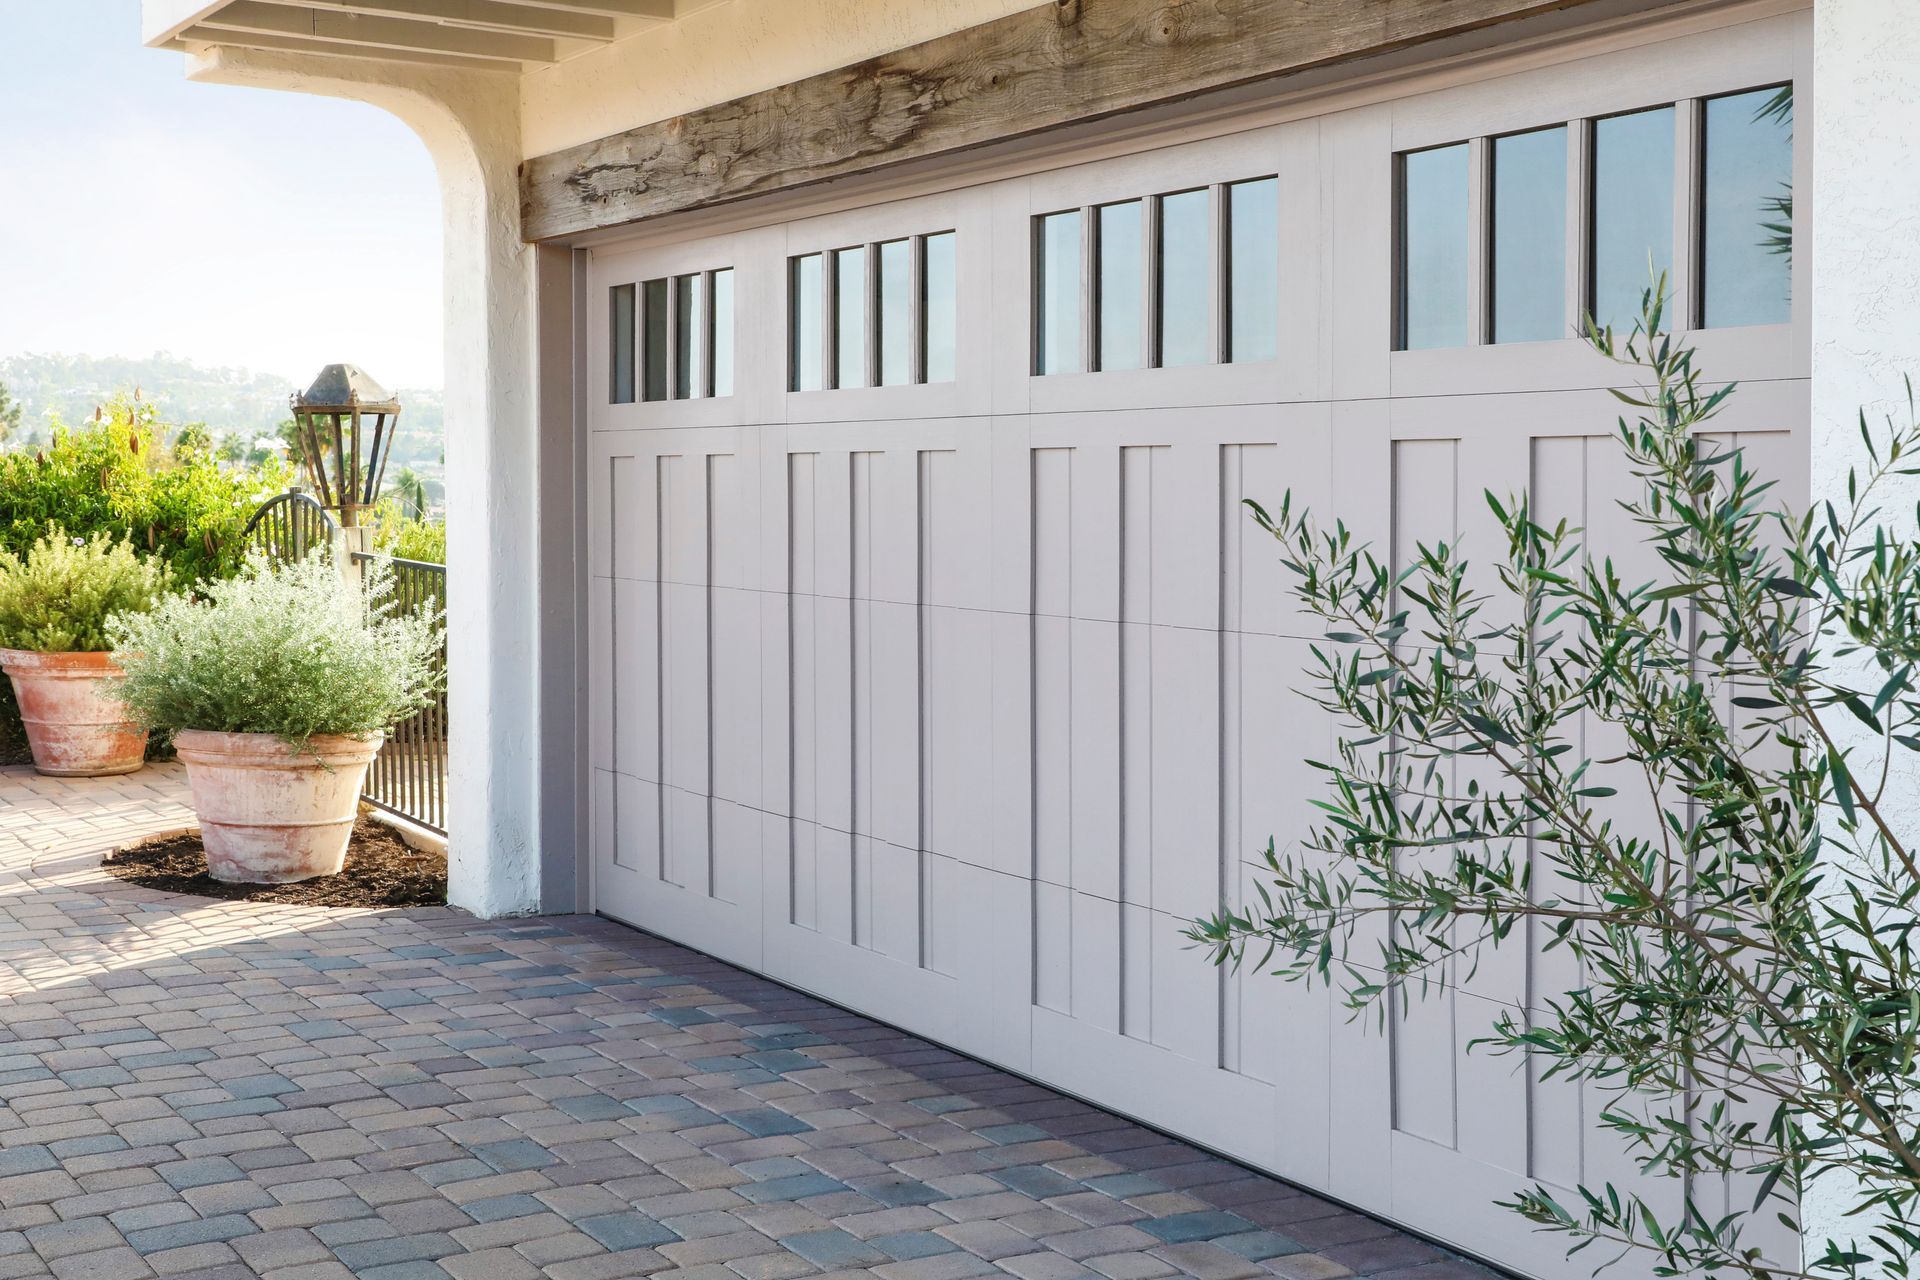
<point>271,813</point>
<point>75,725</point>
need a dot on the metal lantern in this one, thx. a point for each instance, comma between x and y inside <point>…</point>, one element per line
<point>346,422</point>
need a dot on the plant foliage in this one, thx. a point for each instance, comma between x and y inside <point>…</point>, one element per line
<point>1689,784</point>
<point>115,475</point>
<point>398,532</point>
<point>288,649</point>
<point>58,597</point>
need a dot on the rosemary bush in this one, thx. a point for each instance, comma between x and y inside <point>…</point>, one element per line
<point>1733,881</point>
<point>59,596</point>
<point>291,650</point>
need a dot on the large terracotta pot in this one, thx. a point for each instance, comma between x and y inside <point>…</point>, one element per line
<point>271,813</point>
<point>75,726</point>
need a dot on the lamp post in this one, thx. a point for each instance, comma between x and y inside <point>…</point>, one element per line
<point>346,423</point>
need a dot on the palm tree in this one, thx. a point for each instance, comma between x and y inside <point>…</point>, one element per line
<point>411,490</point>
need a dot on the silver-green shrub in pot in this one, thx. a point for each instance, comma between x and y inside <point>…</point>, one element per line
<point>278,687</point>
<point>55,603</point>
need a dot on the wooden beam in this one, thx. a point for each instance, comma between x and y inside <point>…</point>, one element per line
<point>1059,63</point>
<point>490,15</point>
<point>258,17</point>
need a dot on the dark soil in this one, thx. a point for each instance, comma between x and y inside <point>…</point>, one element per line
<point>381,871</point>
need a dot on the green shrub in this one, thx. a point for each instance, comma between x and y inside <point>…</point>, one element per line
<point>287,649</point>
<point>57,599</point>
<point>397,532</point>
<point>114,475</point>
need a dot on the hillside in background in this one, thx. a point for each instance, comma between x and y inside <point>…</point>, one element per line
<point>228,401</point>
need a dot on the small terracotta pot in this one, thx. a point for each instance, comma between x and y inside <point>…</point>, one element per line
<point>75,726</point>
<point>271,813</point>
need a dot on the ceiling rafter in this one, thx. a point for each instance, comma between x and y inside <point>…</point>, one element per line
<point>483,15</point>
<point>195,36</point>
<point>336,26</point>
<point>662,10</point>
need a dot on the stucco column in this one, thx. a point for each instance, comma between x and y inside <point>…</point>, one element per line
<point>470,122</point>
<point>1866,323</point>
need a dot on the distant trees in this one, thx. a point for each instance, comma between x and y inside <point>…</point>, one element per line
<point>9,413</point>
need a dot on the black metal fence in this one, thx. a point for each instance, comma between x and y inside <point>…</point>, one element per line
<point>409,776</point>
<point>290,525</point>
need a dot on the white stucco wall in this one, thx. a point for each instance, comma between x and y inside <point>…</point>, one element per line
<point>469,121</point>
<point>1865,126</point>
<point>721,52</point>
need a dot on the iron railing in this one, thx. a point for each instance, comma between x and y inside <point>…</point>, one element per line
<point>409,776</point>
<point>290,525</point>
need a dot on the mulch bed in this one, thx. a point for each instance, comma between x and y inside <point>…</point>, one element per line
<point>382,871</point>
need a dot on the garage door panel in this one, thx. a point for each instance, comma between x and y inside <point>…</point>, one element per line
<point>892,732</point>
<point>1052,987</point>
<point>834,888</point>
<point>600,642</point>
<point>632,486</point>
<point>638,815</point>
<point>686,840</point>
<point>957,769</point>
<point>898,901</point>
<point>1091,504</point>
<point>1097,961</point>
<point>634,658</point>
<point>737,857</point>
<point>736,695</point>
<point>1185,996</point>
<point>685,685</point>
<point>898,991</point>
<point>1092,772</point>
<point>1184,875</point>
<point>1215,1107</point>
<point>801,873</point>
<point>955,704</point>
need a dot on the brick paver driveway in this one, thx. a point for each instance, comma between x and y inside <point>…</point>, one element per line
<point>230,1090</point>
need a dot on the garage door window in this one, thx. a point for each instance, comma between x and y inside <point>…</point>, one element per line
<point>1433,235</point>
<point>1632,221</point>
<point>621,310</point>
<point>1698,191</point>
<point>682,327</point>
<point>850,318</point>
<point>1253,270</point>
<point>1184,278</point>
<point>1530,236</point>
<point>1185,284</point>
<point>1746,236</point>
<point>880,314</point>
<point>1122,304</point>
<point>940,302</point>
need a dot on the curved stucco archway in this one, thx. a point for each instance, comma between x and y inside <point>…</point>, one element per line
<point>470,123</point>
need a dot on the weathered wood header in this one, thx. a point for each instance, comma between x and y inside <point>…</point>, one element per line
<point>1063,62</point>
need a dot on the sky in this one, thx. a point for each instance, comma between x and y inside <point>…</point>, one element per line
<point>141,212</point>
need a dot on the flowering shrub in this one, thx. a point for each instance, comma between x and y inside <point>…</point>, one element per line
<point>58,598</point>
<point>288,649</point>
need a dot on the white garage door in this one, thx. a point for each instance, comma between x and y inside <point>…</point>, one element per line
<point>936,668</point>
